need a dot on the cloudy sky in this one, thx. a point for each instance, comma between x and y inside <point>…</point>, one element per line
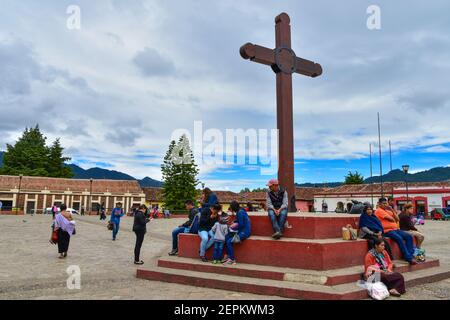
<point>117,88</point>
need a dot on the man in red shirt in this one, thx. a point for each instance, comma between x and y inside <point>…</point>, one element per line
<point>389,221</point>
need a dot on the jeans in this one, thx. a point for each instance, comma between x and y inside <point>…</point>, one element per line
<point>404,241</point>
<point>278,222</point>
<point>116,226</point>
<point>229,244</point>
<point>218,250</point>
<point>137,248</point>
<point>175,234</point>
<point>207,241</point>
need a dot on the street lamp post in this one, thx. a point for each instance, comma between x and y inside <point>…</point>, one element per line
<point>18,193</point>
<point>90,196</point>
<point>405,168</point>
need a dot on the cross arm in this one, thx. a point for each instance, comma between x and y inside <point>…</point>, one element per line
<point>266,56</point>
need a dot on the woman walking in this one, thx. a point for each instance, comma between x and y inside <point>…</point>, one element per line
<point>140,229</point>
<point>65,226</point>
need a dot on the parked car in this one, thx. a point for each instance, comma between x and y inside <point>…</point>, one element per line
<point>72,211</point>
<point>49,210</point>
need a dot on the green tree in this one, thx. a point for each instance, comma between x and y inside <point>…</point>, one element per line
<point>56,164</point>
<point>179,173</point>
<point>245,190</point>
<point>30,156</point>
<point>354,178</point>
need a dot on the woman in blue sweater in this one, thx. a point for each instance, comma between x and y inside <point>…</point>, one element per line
<point>209,199</point>
<point>243,231</point>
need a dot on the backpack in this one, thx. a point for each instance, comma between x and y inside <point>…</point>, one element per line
<point>195,224</point>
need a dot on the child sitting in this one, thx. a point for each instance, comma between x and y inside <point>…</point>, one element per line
<point>220,230</point>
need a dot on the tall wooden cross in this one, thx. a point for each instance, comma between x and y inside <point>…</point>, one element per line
<point>284,63</point>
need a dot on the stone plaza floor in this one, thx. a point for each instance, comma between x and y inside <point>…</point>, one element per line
<point>30,268</point>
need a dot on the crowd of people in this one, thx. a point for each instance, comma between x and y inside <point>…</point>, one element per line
<point>385,222</point>
<point>224,230</point>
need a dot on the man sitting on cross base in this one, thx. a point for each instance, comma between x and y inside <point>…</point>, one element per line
<point>277,206</point>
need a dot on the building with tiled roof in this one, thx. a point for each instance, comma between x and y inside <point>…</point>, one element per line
<point>425,196</point>
<point>35,194</point>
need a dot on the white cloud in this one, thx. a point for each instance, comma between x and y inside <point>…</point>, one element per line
<point>106,92</point>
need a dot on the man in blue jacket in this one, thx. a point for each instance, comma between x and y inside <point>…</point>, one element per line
<point>116,214</point>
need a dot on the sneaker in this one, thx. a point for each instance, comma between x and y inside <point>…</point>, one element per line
<point>204,259</point>
<point>230,262</point>
<point>139,262</point>
<point>173,253</point>
<point>216,262</point>
<point>276,235</point>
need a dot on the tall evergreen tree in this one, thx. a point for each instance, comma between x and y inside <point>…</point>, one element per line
<point>179,173</point>
<point>56,163</point>
<point>354,178</point>
<point>30,156</point>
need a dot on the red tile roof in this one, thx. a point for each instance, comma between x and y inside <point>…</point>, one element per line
<point>74,185</point>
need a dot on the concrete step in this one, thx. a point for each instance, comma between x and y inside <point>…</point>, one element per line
<point>327,278</point>
<point>287,289</point>
<point>314,254</point>
<point>305,225</point>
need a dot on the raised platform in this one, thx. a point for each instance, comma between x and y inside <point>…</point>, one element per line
<point>296,285</point>
<point>305,225</point>
<point>311,262</point>
<point>315,254</point>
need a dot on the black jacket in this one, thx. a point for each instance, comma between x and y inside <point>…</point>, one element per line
<point>192,214</point>
<point>206,223</point>
<point>140,222</point>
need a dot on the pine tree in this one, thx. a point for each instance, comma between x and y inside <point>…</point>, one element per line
<point>354,178</point>
<point>30,156</point>
<point>56,163</point>
<point>179,175</point>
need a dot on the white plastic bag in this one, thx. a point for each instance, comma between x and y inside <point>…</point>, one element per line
<point>377,290</point>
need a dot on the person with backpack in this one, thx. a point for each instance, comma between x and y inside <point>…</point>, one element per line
<point>185,227</point>
<point>140,229</point>
<point>65,228</point>
<point>116,214</point>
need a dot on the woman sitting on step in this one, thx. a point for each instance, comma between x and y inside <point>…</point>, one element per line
<point>371,229</point>
<point>242,223</point>
<point>378,264</point>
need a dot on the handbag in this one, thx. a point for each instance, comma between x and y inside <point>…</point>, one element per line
<point>54,237</point>
<point>110,226</point>
<point>236,239</point>
<point>349,233</point>
<point>377,290</point>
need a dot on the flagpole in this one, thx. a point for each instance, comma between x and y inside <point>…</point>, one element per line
<point>379,153</point>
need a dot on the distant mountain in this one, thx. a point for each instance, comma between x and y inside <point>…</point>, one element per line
<point>99,173</point>
<point>432,175</point>
<point>149,183</point>
<point>319,185</point>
